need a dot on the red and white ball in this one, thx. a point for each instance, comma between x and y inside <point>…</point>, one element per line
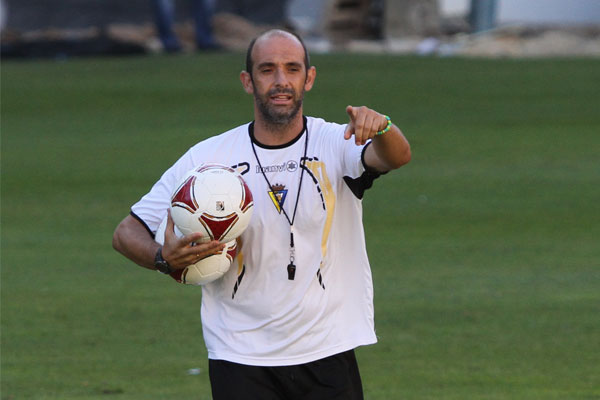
<point>213,200</point>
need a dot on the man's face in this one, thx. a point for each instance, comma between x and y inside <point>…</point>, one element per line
<point>279,78</point>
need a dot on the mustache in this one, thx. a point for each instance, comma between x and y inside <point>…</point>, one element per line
<point>276,91</point>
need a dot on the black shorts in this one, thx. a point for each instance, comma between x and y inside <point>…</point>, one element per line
<point>331,378</point>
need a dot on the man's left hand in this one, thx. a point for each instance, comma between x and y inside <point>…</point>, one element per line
<point>364,124</point>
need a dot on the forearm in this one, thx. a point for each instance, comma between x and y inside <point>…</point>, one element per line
<point>133,241</point>
<point>389,151</point>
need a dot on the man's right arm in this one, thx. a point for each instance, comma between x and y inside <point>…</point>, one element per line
<point>134,241</point>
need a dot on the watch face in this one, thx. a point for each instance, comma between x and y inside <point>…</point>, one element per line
<point>163,267</point>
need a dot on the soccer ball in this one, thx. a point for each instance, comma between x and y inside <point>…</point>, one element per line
<point>206,270</point>
<point>214,200</point>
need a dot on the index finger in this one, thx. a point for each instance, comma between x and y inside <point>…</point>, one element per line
<point>351,111</point>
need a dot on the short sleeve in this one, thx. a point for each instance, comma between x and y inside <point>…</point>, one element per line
<point>353,165</point>
<point>357,176</point>
<point>152,207</point>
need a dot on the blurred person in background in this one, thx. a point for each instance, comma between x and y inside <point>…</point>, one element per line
<point>165,17</point>
<point>2,15</point>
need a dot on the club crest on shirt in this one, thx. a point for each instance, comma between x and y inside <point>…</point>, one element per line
<point>278,195</point>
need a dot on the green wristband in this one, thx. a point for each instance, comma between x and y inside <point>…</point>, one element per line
<point>387,128</point>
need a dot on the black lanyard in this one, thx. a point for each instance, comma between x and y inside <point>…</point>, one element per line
<point>291,268</point>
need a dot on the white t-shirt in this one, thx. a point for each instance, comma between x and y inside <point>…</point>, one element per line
<point>255,315</point>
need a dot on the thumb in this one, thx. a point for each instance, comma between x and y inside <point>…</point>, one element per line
<point>349,130</point>
<point>170,229</point>
<point>350,127</point>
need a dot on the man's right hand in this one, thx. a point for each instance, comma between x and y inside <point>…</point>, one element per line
<point>187,250</point>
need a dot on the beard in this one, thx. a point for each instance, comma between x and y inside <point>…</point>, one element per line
<point>278,116</point>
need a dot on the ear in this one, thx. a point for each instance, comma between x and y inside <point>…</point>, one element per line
<point>247,83</point>
<point>311,75</point>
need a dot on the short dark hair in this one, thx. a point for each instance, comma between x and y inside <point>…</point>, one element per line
<point>250,63</point>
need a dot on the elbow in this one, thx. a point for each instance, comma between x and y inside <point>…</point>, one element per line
<point>116,239</point>
<point>401,159</point>
<point>406,157</point>
<point>115,243</point>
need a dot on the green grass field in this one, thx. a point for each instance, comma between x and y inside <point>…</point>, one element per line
<point>485,249</point>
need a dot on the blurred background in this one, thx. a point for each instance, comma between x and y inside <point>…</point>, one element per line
<point>40,28</point>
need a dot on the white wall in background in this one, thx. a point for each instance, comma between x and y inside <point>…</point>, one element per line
<point>454,7</point>
<point>549,11</point>
<point>534,11</point>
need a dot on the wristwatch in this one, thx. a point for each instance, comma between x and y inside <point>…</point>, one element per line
<point>161,264</point>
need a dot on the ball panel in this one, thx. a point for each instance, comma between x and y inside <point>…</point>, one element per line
<point>188,223</point>
<point>210,268</point>
<point>213,200</point>
<point>231,250</point>
<point>178,275</point>
<point>184,195</point>
<point>247,200</point>
<point>218,228</point>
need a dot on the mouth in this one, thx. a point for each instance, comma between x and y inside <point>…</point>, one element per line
<point>281,98</point>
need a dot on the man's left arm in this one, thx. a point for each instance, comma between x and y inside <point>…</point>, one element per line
<point>387,151</point>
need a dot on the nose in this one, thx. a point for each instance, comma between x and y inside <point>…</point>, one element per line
<point>281,79</point>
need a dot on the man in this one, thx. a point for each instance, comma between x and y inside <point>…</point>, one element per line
<point>285,322</point>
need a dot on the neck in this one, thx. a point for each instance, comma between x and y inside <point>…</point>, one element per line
<point>276,134</point>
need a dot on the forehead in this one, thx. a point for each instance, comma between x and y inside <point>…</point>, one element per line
<point>278,49</point>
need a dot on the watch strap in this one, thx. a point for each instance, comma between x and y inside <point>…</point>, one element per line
<point>161,264</point>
